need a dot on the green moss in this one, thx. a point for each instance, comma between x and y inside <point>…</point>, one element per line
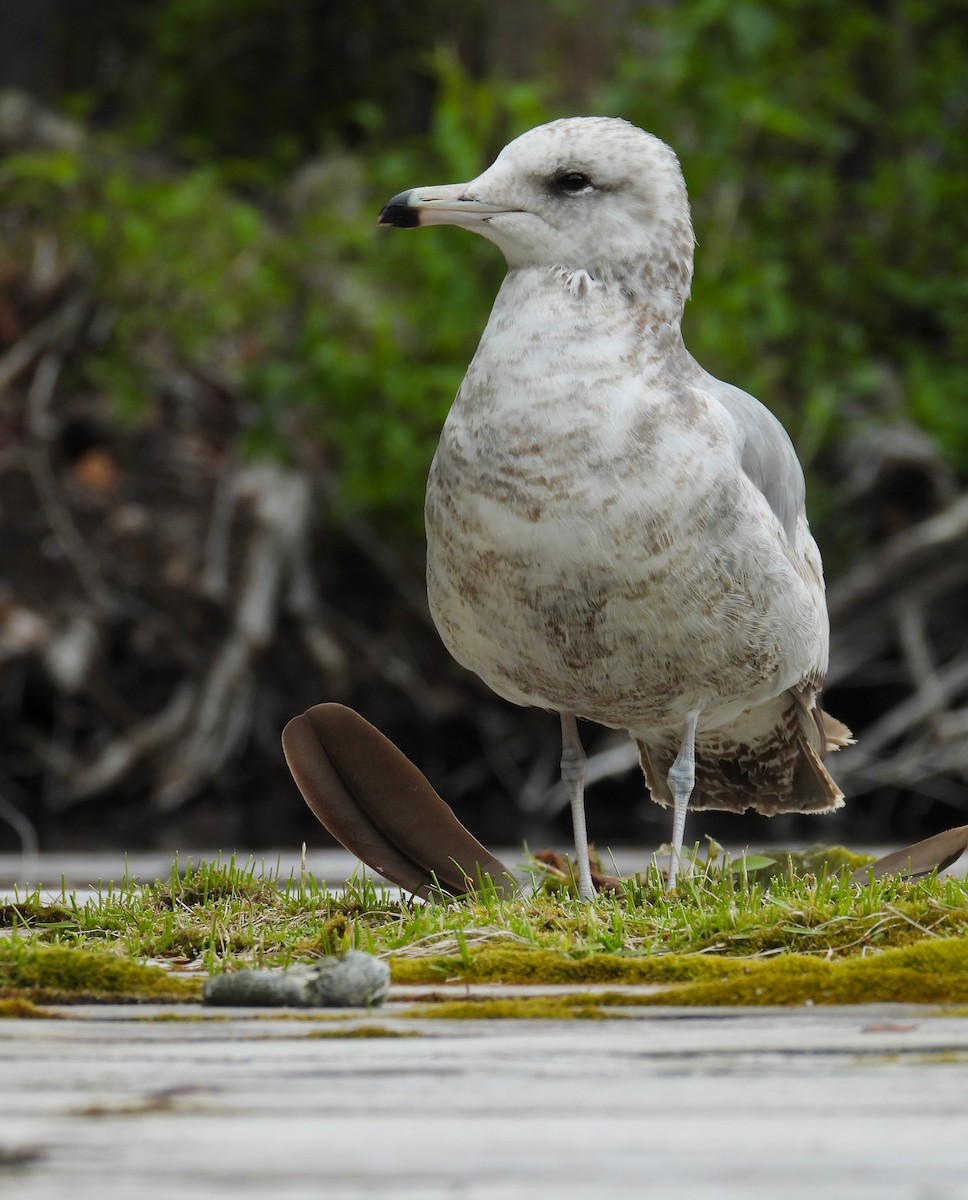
<point>335,936</point>
<point>720,925</point>
<point>260,1016</point>
<point>933,972</point>
<point>535,1008</point>
<point>17,1006</point>
<point>364,1031</point>
<point>203,885</point>
<point>939,1058</point>
<point>59,974</point>
<point>511,963</point>
<point>31,912</point>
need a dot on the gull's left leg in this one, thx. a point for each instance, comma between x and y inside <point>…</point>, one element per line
<point>573,777</point>
<point>682,779</point>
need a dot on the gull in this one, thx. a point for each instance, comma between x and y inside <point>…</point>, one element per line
<point>612,533</point>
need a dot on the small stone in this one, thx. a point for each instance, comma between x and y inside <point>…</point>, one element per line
<point>357,980</point>
<point>255,989</point>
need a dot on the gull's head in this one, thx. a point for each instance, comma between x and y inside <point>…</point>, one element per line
<point>594,194</point>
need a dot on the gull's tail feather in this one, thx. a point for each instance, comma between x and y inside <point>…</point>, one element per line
<point>811,789</point>
<point>836,734</point>
<point>769,760</point>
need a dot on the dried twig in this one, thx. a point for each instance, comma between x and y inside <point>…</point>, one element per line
<point>901,719</point>
<point>223,707</point>
<point>11,815</point>
<point>215,575</point>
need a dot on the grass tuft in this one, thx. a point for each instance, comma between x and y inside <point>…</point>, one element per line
<point>750,932</point>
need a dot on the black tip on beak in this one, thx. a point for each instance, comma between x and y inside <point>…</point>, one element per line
<point>399,213</point>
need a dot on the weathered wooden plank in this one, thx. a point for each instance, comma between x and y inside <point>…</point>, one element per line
<point>846,1102</point>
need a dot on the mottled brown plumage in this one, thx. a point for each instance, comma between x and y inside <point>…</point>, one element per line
<point>612,532</point>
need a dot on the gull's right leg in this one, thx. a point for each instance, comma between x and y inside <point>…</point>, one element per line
<point>682,779</point>
<point>573,777</point>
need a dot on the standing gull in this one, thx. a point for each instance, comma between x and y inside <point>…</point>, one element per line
<point>612,533</point>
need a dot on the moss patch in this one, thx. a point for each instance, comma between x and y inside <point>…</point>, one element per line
<point>816,860</point>
<point>576,1006</point>
<point>32,912</point>
<point>517,964</point>
<point>63,975</point>
<point>17,1006</point>
<point>364,1031</point>
<point>933,972</point>
<point>225,914</point>
<point>719,929</point>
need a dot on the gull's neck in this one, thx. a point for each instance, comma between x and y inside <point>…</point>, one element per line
<point>560,313</point>
<point>657,289</point>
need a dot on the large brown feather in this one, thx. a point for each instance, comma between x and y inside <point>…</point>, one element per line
<point>377,804</point>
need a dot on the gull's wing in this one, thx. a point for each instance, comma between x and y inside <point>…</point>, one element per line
<point>766,454</point>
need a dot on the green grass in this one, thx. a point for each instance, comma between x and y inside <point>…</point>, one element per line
<point>713,937</point>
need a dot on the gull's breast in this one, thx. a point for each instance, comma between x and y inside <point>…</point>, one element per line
<point>594,545</point>
<point>618,567</point>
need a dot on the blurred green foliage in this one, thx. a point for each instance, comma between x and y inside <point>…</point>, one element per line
<point>825,148</point>
<point>824,145</point>
<point>298,305</point>
<point>260,82</point>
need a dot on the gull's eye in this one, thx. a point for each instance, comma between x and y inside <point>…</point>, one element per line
<point>574,182</point>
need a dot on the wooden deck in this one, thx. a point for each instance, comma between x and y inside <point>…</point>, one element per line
<point>119,1102</point>
<point>110,1103</point>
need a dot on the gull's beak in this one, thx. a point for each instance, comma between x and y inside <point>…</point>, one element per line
<point>448,204</point>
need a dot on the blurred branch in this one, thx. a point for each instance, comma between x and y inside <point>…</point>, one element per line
<point>280,502</point>
<point>215,575</point>
<point>52,331</point>
<point>883,608</point>
<point>39,428</point>
<point>903,564</point>
<point>390,566</point>
<point>11,815</point>
<point>124,753</point>
<point>913,640</point>
<point>26,123</point>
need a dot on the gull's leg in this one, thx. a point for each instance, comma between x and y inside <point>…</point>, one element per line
<point>573,777</point>
<point>682,779</point>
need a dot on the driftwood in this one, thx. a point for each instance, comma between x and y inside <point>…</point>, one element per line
<point>165,607</point>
